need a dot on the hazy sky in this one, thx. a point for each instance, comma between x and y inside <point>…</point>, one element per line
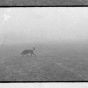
<point>20,25</point>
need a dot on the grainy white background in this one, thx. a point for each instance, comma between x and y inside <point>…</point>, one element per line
<point>44,85</point>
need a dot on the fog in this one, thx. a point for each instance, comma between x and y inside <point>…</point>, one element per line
<point>40,25</point>
<point>44,44</point>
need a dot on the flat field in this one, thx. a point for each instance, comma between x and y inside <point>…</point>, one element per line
<point>53,62</point>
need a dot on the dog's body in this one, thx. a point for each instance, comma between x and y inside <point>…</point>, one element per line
<point>26,52</point>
